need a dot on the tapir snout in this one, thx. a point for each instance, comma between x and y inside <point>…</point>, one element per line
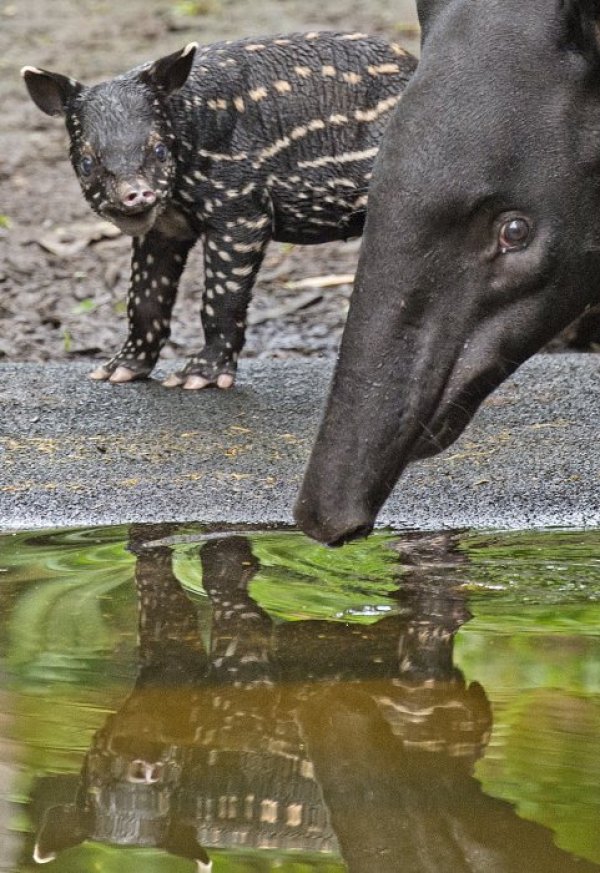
<point>482,242</point>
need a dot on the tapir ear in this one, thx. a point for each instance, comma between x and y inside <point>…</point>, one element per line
<point>583,27</point>
<point>171,72</point>
<point>62,829</point>
<point>50,92</point>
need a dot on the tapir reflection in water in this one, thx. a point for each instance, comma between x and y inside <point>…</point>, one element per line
<point>481,243</point>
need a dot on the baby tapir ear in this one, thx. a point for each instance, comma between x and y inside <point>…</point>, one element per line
<point>583,27</point>
<point>62,829</point>
<point>50,92</point>
<point>183,842</point>
<point>171,72</point>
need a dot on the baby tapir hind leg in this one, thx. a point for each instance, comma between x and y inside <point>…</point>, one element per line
<point>157,265</point>
<point>233,254</point>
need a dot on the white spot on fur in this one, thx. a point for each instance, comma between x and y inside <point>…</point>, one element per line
<point>382,107</point>
<point>345,158</point>
<point>258,94</point>
<point>383,69</point>
<point>242,271</point>
<point>247,247</point>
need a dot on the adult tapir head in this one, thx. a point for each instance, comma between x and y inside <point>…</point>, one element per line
<point>482,242</point>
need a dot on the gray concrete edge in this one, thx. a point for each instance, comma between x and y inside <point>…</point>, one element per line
<point>77,453</point>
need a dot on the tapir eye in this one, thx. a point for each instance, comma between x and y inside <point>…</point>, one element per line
<point>514,235</point>
<point>86,165</point>
<point>161,151</point>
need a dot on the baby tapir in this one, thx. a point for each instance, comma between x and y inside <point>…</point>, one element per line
<point>238,143</point>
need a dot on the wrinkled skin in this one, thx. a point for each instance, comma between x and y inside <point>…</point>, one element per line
<point>481,243</point>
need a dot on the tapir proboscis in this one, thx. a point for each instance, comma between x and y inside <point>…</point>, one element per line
<point>482,242</point>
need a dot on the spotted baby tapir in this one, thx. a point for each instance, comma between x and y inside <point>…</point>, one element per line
<point>236,143</point>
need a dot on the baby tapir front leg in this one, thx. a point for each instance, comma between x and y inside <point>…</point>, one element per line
<point>157,265</point>
<point>233,254</point>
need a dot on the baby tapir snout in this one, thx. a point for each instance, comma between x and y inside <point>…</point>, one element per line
<point>132,205</point>
<point>135,195</point>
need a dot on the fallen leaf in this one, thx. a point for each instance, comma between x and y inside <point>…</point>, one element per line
<point>64,242</point>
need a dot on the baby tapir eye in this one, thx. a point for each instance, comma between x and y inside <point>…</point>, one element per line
<point>161,151</point>
<point>86,165</point>
<point>514,234</point>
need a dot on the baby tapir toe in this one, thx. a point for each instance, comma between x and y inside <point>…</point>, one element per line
<point>120,373</point>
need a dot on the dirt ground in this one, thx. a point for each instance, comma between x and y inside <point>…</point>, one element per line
<point>62,293</point>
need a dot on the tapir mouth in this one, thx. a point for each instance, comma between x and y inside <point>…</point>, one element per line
<point>133,223</point>
<point>460,398</point>
<point>440,431</point>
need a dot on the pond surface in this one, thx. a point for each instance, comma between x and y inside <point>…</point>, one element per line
<point>173,699</point>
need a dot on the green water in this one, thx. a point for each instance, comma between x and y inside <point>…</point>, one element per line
<point>172,698</point>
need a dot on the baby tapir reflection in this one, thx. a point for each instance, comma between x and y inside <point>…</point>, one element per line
<point>323,737</point>
<point>202,752</point>
<point>238,143</point>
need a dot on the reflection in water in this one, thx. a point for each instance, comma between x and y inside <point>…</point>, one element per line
<point>312,735</point>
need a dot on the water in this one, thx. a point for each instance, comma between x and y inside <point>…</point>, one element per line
<point>171,697</point>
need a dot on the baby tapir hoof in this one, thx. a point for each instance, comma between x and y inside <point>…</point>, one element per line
<point>195,383</point>
<point>119,373</point>
<point>205,370</point>
<point>236,144</point>
<point>117,377</point>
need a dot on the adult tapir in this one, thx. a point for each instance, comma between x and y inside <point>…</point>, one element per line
<point>482,242</point>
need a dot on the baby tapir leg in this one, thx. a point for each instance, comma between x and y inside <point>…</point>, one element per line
<point>232,258</point>
<point>157,264</point>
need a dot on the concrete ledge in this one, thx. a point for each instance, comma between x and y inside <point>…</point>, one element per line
<point>77,453</point>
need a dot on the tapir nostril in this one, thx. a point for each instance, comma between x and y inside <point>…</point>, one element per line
<point>136,197</point>
<point>331,525</point>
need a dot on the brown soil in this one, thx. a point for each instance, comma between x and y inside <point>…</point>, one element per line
<point>60,305</point>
